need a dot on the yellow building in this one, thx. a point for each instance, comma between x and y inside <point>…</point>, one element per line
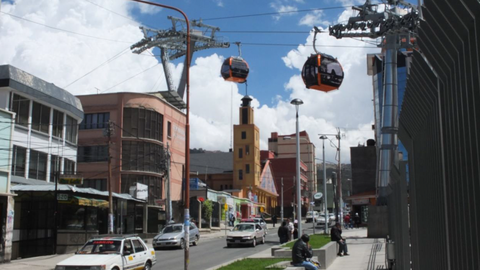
<point>253,181</point>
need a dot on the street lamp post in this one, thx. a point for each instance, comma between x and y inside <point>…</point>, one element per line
<point>187,131</point>
<point>297,102</point>
<point>323,137</point>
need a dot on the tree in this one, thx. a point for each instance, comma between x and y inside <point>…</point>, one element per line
<point>207,210</point>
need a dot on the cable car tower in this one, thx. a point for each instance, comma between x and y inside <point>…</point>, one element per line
<point>172,45</point>
<point>396,26</point>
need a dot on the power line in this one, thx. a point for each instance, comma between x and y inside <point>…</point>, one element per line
<point>274,13</point>
<point>130,78</point>
<point>295,45</point>
<point>263,32</point>
<point>63,30</point>
<point>106,62</point>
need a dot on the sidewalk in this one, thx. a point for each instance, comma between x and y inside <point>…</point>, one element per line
<point>365,253</point>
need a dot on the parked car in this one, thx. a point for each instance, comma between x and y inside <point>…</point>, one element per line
<point>259,221</point>
<point>246,234</point>
<point>321,221</point>
<point>173,235</point>
<point>111,252</point>
<point>312,216</point>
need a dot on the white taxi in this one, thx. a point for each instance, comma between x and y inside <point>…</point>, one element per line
<point>246,234</point>
<point>111,253</point>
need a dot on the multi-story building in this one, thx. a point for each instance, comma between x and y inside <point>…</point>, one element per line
<point>142,127</point>
<point>6,198</point>
<point>254,181</point>
<point>284,146</point>
<point>43,146</point>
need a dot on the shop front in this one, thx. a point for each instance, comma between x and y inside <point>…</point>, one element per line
<point>82,213</point>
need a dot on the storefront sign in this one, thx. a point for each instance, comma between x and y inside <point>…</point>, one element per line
<point>318,196</point>
<point>160,202</point>
<point>70,180</point>
<point>360,201</point>
<point>142,192</point>
<point>62,197</point>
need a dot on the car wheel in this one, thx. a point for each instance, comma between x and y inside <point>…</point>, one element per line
<point>229,245</point>
<point>182,244</point>
<point>195,242</point>
<point>148,266</point>
<point>263,240</point>
<point>254,243</point>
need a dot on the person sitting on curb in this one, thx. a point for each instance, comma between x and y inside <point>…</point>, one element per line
<point>336,235</point>
<point>301,252</point>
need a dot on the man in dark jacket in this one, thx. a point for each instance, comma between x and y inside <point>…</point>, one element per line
<point>336,235</point>
<point>301,251</point>
<point>283,233</point>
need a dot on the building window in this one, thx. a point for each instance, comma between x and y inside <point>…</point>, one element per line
<point>21,106</point>
<point>57,125</point>
<point>169,129</point>
<point>244,135</point>
<point>54,167</point>
<point>95,121</point>
<point>247,168</point>
<point>142,156</point>
<point>19,160</point>
<point>244,116</point>
<point>95,153</point>
<point>247,150</point>
<point>221,187</point>
<point>154,185</point>
<point>240,174</point>
<point>37,165</point>
<point>40,117</point>
<point>68,167</point>
<point>142,123</point>
<point>71,128</point>
<point>231,187</point>
<point>98,184</point>
<point>240,153</point>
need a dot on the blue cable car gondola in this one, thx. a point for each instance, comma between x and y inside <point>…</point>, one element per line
<point>322,71</point>
<point>235,69</point>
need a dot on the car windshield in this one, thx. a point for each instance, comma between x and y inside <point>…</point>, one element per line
<point>101,247</point>
<point>244,227</point>
<point>173,229</point>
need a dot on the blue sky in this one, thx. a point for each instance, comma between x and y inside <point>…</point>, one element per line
<point>83,47</point>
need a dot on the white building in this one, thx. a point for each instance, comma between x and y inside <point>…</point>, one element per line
<point>46,126</point>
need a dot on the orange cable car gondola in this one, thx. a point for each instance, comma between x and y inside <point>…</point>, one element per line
<point>322,71</point>
<point>234,68</point>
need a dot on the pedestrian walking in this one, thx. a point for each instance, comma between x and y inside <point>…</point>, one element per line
<point>290,229</point>
<point>295,229</point>
<point>274,220</point>
<point>283,232</point>
<point>357,220</point>
<point>346,220</point>
<point>336,235</point>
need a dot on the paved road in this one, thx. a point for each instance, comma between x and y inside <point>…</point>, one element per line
<point>213,252</point>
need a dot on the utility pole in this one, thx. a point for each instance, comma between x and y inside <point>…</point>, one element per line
<point>339,213</point>
<point>109,133</point>
<point>281,205</point>
<point>169,199</point>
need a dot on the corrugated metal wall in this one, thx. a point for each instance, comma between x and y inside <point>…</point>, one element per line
<point>440,127</point>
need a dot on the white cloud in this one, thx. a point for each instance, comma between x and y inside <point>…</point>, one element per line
<point>62,57</point>
<point>219,3</point>
<point>284,10</point>
<point>314,18</point>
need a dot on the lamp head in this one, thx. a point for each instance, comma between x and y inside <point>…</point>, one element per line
<point>323,137</point>
<point>296,102</point>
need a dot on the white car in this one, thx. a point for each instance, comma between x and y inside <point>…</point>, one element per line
<point>111,253</point>
<point>246,234</point>
<point>321,221</point>
<point>312,216</point>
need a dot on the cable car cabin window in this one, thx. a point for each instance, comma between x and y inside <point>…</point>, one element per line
<point>331,72</point>
<point>309,72</point>
<point>239,69</point>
